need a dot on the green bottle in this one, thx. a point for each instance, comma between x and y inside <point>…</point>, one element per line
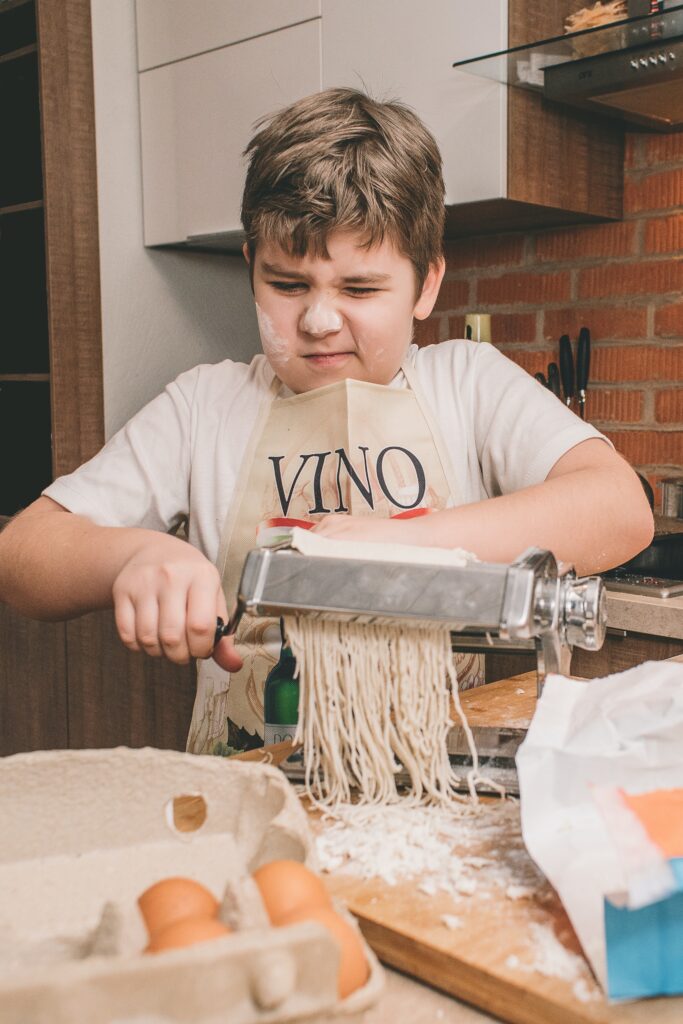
<point>281,699</point>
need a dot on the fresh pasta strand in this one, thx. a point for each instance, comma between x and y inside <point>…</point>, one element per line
<point>374,699</point>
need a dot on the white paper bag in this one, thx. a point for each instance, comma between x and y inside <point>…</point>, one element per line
<point>624,730</point>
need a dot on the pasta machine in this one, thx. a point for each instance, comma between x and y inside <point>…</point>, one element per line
<point>525,606</point>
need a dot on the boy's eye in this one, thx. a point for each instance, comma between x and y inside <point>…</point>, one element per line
<point>287,286</point>
<point>361,291</point>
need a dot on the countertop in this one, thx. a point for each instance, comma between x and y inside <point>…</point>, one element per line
<point>407,1001</point>
<point>638,613</point>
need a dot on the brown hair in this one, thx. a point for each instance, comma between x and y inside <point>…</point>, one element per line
<point>341,160</point>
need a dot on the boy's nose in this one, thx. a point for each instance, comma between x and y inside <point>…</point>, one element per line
<point>320,318</point>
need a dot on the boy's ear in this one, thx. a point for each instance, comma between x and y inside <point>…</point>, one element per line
<point>430,289</point>
<point>245,253</point>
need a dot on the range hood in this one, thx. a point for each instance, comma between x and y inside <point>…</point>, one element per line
<point>630,69</point>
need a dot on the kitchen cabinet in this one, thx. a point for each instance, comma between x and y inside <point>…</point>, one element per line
<point>505,151</point>
<point>196,118</point>
<point>60,684</point>
<point>184,28</point>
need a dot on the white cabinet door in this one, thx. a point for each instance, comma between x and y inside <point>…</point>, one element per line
<point>404,49</point>
<point>197,116</point>
<point>169,30</point>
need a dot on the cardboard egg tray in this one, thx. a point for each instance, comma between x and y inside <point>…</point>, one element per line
<point>85,832</point>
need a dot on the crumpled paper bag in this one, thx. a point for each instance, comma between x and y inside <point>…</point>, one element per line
<point>626,731</point>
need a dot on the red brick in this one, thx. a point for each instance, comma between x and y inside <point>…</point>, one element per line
<point>661,191</point>
<point>524,288</point>
<point>614,405</point>
<point>427,331</point>
<point>484,251</point>
<point>669,320</point>
<point>456,326</point>
<point>452,295</point>
<point>622,363</point>
<point>603,321</point>
<point>660,149</point>
<point>656,277</point>
<point>511,327</point>
<point>664,234</point>
<point>581,242</point>
<point>649,447</point>
<point>669,406</point>
<point>529,360</point>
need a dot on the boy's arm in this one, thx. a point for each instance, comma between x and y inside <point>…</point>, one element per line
<point>166,595</point>
<point>590,511</point>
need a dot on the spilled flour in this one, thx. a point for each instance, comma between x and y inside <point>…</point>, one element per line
<point>398,843</point>
<point>553,960</point>
<point>461,852</point>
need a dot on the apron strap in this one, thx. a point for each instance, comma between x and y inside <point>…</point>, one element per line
<point>247,460</point>
<point>411,376</point>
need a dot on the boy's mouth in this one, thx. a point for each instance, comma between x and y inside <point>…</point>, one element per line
<point>327,359</point>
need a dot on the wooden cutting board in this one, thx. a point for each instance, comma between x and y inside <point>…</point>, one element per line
<point>492,959</point>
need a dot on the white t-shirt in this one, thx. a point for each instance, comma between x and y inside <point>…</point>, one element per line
<point>180,456</point>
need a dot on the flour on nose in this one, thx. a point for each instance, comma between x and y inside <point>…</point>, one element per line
<point>273,345</point>
<point>320,319</point>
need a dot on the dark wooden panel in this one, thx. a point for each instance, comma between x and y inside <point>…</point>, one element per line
<point>33,684</point>
<point>558,156</point>
<point>499,665</point>
<point>70,183</point>
<point>621,652</point>
<point>118,697</point>
<point>491,216</point>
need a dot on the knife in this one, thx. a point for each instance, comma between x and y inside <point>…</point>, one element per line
<point>540,377</point>
<point>567,369</point>
<point>554,378</point>
<point>583,362</point>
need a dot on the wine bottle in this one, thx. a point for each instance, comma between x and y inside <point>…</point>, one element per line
<point>281,698</point>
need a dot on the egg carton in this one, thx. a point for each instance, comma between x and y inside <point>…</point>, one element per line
<point>85,832</point>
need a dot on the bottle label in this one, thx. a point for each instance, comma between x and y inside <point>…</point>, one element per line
<point>277,733</point>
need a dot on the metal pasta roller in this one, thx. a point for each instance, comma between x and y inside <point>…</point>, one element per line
<point>521,607</point>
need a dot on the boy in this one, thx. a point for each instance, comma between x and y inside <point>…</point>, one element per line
<point>341,423</point>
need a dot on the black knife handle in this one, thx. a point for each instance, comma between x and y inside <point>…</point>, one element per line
<point>583,359</point>
<point>567,368</point>
<point>554,378</point>
<point>540,377</point>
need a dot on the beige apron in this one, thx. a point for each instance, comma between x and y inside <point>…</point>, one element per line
<point>354,447</point>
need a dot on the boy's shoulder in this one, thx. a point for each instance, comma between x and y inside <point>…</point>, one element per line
<point>208,380</point>
<point>458,354</point>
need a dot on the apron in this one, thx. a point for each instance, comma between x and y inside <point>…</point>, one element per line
<point>354,447</point>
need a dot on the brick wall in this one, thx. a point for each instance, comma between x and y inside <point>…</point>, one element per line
<point>622,280</point>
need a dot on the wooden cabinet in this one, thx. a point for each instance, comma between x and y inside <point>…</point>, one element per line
<point>61,684</point>
<point>50,359</point>
<point>505,151</point>
<point>623,649</point>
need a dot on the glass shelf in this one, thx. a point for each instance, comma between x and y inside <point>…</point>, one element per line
<point>524,66</point>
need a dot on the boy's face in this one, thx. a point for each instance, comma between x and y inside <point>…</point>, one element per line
<point>346,317</point>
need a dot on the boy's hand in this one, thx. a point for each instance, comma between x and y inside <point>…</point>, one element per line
<point>167,597</point>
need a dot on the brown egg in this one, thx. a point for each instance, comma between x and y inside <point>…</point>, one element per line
<point>173,899</point>
<point>354,969</point>
<point>287,886</point>
<point>187,932</point>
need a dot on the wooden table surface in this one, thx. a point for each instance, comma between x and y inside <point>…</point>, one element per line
<point>490,960</point>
